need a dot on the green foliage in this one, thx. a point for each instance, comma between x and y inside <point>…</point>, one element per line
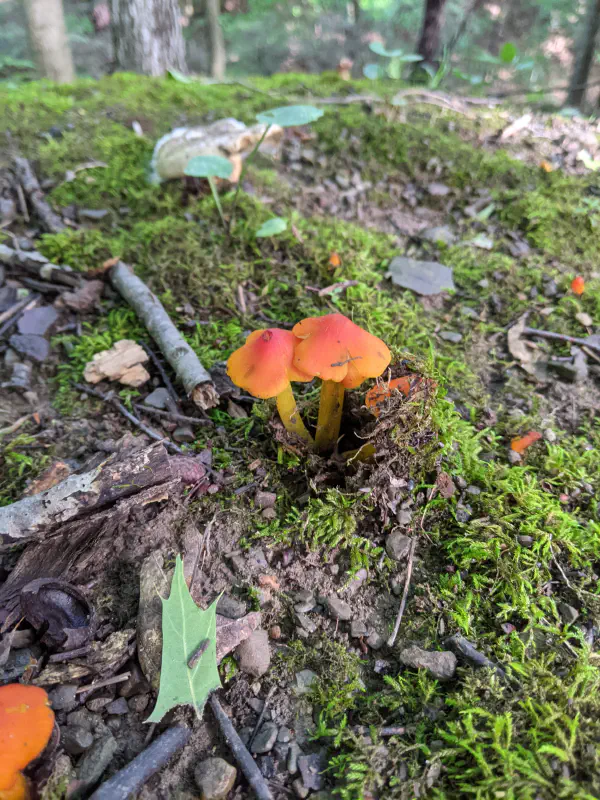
<point>186,676</point>
<point>17,466</point>
<point>290,116</point>
<point>272,227</point>
<point>209,167</point>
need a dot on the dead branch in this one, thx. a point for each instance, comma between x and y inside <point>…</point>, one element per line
<point>36,264</point>
<point>561,337</point>
<point>81,495</point>
<point>185,363</point>
<point>172,416</point>
<point>26,177</point>
<point>409,567</point>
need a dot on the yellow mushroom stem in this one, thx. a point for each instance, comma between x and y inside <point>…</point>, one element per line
<point>330,415</point>
<point>290,416</point>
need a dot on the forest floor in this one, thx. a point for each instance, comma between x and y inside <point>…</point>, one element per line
<point>496,548</point>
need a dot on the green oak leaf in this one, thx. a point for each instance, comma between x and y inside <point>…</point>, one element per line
<point>185,628</point>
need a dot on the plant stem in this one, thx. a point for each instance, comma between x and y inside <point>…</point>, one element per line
<point>241,178</point>
<point>330,415</point>
<point>215,194</point>
<point>288,411</point>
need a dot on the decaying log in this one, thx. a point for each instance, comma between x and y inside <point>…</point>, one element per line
<point>36,264</point>
<point>80,496</point>
<point>26,177</point>
<point>185,363</point>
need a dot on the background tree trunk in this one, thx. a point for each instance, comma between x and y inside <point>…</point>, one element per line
<point>584,55</point>
<point>48,35</point>
<point>217,42</point>
<point>429,41</point>
<point>147,36</point>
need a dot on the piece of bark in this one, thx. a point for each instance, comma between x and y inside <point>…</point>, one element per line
<point>81,495</point>
<point>28,180</point>
<point>232,632</point>
<point>36,264</point>
<point>185,363</point>
<point>84,298</point>
<point>123,363</point>
<point>54,474</point>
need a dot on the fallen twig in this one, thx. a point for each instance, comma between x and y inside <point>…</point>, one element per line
<point>240,752</point>
<point>462,647</point>
<point>409,567</point>
<point>26,177</point>
<point>15,426</point>
<point>389,730</point>
<point>171,415</point>
<point>102,684</point>
<point>162,372</point>
<point>261,716</point>
<point>10,316</point>
<point>36,264</point>
<point>110,398</point>
<point>185,363</point>
<point>129,780</point>
<point>561,337</point>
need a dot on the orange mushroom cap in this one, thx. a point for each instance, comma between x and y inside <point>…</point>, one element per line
<point>578,285</point>
<point>335,349</point>
<point>378,394</point>
<point>264,365</point>
<point>26,723</point>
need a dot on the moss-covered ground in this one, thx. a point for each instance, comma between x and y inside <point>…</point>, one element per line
<point>530,540</point>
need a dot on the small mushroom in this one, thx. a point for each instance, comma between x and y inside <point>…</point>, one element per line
<point>343,355</point>
<point>264,367</point>
<point>26,724</point>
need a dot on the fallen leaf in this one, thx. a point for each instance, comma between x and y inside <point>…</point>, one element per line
<point>578,285</point>
<point>521,443</point>
<point>584,319</point>
<point>185,629</point>
<point>530,359</point>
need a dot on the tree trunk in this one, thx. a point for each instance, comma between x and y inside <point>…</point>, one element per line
<point>217,43</point>
<point>584,55</point>
<point>147,36</point>
<point>48,36</point>
<point>429,42</point>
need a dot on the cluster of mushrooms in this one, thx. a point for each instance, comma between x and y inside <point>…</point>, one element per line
<point>331,348</point>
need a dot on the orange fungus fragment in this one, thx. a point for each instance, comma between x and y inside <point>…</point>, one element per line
<point>376,397</point>
<point>578,285</point>
<point>26,723</point>
<point>521,443</point>
<point>335,260</point>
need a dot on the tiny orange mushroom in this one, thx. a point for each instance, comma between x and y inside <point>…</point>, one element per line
<point>264,367</point>
<point>521,443</point>
<point>578,285</point>
<point>378,394</point>
<point>343,355</point>
<point>26,723</point>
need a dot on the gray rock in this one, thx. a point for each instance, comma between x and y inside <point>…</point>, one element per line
<point>266,765</point>
<point>306,623</point>
<point>94,214</point>
<point>441,664</point>
<point>484,283</point>
<point>304,601</point>
<point>265,499</point>
<point>467,311</point>
<point>89,721</point>
<point>304,680</point>
<point>404,516</point>
<point>37,320</point>
<point>30,345</point>
<point>154,584</point>
<point>300,789</point>
<point>231,607</point>
<point>284,735</point>
<point>184,434</point>
<point>95,761</point>
<point>525,541</point>
<point>215,778</point>
<point>254,654</point>
<point>357,629</point>
<point>513,457</point>
<point>438,189</point>
<point>375,641</point>
<point>98,702</point>
<point>159,398</point>
<point>118,706</point>
<point>549,435</point>
<point>397,545</point>
<point>76,740</point>
<point>441,234</point>
<point>473,490</point>
<point>311,768</point>
<point>269,514</point>
<point>292,760</point>
<point>265,739</point>
<point>338,609</point>
<point>422,277</point>
<point>136,683</point>
<point>360,576</point>
<point>63,698</point>
<point>550,288</point>
<point>450,336</point>
<point>569,614</point>
<point>139,703</point>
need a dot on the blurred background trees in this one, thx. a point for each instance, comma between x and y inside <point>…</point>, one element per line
<point>471,46</point>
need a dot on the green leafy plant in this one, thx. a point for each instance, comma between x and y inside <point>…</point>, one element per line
<point>211,167</point>
<point>397,58</point>
<point>189,655</point>
<point>272,227</point>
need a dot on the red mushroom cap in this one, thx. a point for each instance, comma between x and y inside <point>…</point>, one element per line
<point>264,366</point>
<point>335,349</point>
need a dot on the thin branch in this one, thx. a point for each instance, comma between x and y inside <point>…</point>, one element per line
<point>561,337</point>
<point>409,567</point>
<point>171,415</point>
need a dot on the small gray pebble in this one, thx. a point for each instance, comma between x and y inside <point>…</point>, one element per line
<point>284,735</point>
<point>264,739</point>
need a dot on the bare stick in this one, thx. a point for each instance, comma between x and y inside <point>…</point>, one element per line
<point>107,682</point>
<point>162,372</point>
<point>261,716</point>
<point>128,415</point>
<point>240,752</point>
<point>129,780</point>
<point>36,264</point>
<point>10,313</point>
<point>171,415</point>
<point>390,730</point>
<point>411,553</point>
<point>561,337</point>
<point>26,177</point>
<point>185,363</point>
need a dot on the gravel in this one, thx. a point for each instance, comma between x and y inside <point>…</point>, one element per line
<point>439,663</point>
